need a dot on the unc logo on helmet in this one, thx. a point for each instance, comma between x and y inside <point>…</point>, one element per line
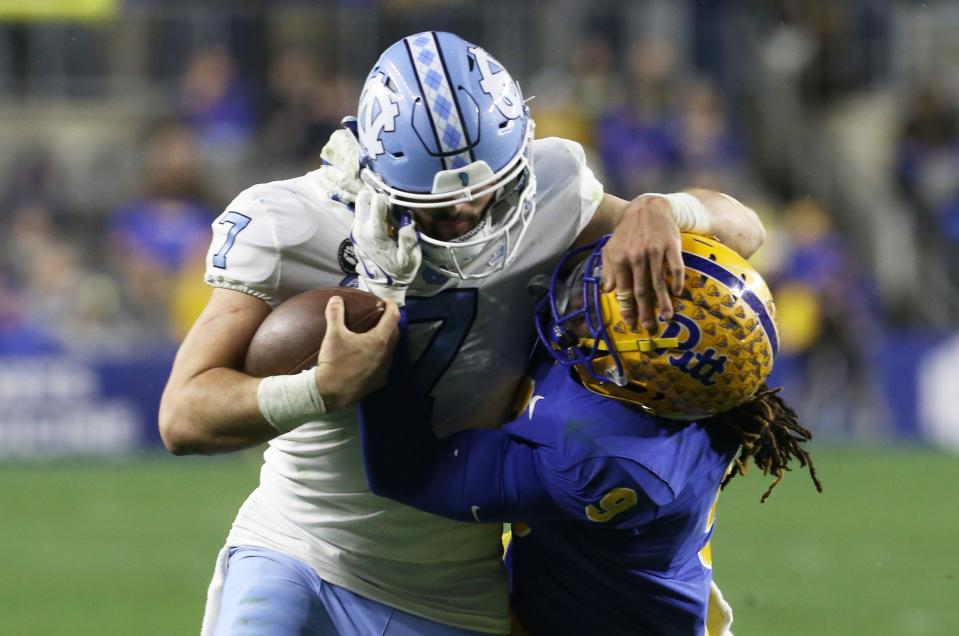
<point>443,123</point>
<point>713,355</point>
<point>377,113</point>
<point>498,84</point>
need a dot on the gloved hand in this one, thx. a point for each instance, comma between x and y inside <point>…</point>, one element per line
<point>387,250</point>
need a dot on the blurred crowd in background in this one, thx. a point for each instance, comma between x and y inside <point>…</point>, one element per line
<point>837,121</point>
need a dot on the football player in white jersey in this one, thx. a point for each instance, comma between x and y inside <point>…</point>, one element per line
<point>443,145</point>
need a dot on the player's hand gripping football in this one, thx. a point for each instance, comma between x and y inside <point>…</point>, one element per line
<point>351,365</point>
<point>388,253</point>
<point>645,247</point>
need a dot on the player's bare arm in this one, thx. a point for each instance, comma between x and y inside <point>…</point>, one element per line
<point>645,246</point>
<point>210,406</point>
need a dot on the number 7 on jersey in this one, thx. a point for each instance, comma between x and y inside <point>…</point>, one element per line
<point>238,222</point>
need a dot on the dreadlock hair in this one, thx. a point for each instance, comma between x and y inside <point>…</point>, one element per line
<point>768,433</point>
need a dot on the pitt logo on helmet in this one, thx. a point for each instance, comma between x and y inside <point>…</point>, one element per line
<point>699,365</point>
<point>713,355</point>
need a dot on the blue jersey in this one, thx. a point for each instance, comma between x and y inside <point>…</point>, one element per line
<point>616,503</point>
<point>630,557</point>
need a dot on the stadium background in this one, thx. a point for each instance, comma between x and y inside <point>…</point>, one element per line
<point>125,127</point>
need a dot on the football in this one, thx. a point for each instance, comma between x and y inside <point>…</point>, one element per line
<point>289,339</point>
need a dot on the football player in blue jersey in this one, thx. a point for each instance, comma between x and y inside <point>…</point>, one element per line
<point>615,463</point>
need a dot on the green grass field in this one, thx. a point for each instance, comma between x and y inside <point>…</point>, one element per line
<point>127,548</point>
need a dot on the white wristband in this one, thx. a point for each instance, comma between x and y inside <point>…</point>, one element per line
<point>289,401</point>
<point>690,213</point>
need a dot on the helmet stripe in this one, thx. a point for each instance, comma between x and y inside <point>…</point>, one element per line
<point>440,104</point>
<point>467,156</point>
<point>736,286</point>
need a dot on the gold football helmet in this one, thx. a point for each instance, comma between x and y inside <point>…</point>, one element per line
<point>710,357</point>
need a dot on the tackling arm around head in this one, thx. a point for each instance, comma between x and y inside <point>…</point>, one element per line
<point>645,246</point>
<point>210,406</point>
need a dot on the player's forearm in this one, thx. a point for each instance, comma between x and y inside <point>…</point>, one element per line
<point>426,474</point>
<point>478,476</point>
<point>400,453</point>
<point>731,222</point>
<point>404,460</point>
<point>214,412</point>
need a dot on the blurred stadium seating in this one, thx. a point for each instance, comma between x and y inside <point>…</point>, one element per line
<point>126,132</point>
<point>127,125</point>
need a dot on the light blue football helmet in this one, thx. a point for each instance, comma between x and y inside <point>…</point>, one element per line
<point>441,122</point>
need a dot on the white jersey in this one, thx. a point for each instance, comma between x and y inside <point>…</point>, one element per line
<point>470,340</point>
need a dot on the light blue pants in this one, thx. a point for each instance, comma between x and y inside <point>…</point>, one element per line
<point>268,593</point>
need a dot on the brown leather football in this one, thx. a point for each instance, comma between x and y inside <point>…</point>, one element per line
<point>289,339</point>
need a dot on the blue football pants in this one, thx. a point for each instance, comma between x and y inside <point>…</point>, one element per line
<point>268,593</point>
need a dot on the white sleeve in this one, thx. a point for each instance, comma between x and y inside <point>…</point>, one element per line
<point>244,254</point>
<point>590,189</point>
